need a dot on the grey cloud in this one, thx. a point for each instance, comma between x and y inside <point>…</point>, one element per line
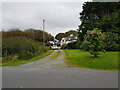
<point>59,16</point>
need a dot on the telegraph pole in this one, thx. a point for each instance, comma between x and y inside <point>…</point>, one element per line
<point>43,32</point>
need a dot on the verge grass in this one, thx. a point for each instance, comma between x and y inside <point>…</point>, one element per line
<point>0,61</point>
<point>20,62</point>
<point>105,61</point>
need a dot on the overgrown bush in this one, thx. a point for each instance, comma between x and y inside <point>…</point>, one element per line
<point>112,41</point>
<point>36,35</point>
<point>64,46</point>
<point>48,44</point>
<point>15,48</point>
<point>73,45</point>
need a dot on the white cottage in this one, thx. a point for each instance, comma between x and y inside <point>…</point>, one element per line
<point>69,39</point>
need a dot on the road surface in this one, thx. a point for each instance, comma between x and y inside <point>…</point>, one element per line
<point>52,73</point>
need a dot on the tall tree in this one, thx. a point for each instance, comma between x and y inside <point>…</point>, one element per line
<point>98,15</point>
<point>102,15</point>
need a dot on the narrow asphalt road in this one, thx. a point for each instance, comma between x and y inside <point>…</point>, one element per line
<point>51,72</point>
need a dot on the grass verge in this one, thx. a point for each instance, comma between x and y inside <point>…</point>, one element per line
<point>20,62</point>
<point>105,61</point>
<point>0,61</point>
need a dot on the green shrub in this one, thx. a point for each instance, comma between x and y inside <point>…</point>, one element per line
<point>94,42</point>
<point>48,44</point>
<point>6,58</point>
<point>20,48</point>
<point>64,46</point>
<point>73,45</point>
<point>112,41</point>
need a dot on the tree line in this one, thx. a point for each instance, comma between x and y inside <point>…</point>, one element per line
<point>104,16</point>
<point>33,34</point>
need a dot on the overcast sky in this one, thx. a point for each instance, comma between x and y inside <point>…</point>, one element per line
<point>59,16</point>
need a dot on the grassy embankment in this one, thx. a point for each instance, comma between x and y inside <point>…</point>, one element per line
<point>105,61</point>
<point>21,50</point>
<point>23,46</point>
<point>20,62</point>
<point>0,61</point>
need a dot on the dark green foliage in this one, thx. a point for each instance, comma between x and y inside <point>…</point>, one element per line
<point>73,45</point>
<point>19,45</point>
<point>102,15</point>
<point>33,34</point>
<point>48,44</point>
<point>65,46</point>
<point>15,48</point>
<point>112,41</point>
<point>94,14</point>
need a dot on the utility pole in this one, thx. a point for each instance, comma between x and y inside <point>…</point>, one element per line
<point>43,32</point>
